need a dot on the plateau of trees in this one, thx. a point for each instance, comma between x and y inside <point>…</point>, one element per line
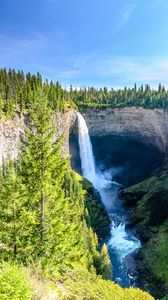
<point>18,91</point>
<point>142,96</point>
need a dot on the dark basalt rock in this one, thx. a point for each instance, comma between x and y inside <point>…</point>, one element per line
<point>130,199</point>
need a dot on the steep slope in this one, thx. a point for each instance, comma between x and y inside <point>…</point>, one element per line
<point>150,217</point>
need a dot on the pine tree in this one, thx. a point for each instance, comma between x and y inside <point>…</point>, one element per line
<point>105,264</point>
<point>42,173</point>
<point>11,202</point>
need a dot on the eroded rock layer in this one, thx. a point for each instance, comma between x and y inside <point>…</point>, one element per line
<point>145,125</point>
<point>12,130</point>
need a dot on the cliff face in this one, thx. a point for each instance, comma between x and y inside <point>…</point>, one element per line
<point>12,130</point>
<point>146,125</point>
<point>64,122</point>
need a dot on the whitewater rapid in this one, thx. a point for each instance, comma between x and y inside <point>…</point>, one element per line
<point>122,243</point>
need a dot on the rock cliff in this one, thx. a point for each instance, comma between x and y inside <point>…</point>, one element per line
<point>145,125</point>
<point>12,130</point>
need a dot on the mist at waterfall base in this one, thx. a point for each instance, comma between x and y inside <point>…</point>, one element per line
<point>107,179</point>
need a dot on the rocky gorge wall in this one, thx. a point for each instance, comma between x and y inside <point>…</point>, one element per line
<point>12,130</point>
<point>144,125</point>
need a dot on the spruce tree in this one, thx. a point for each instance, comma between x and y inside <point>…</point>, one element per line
<point>105,264</point>
<point>42,169</point>
<point>11,203</point>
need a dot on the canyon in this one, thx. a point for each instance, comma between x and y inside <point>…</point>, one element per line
<point>149,126</point>
<point>130,125</point>
<point>143,125</point>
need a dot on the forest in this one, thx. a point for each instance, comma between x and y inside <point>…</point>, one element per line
<point>142,96</point>
<point>48,239</point>
<point>18,90</point>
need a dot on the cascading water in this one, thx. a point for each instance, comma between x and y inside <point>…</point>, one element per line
<point>122,242</point>
<point>86,152</point>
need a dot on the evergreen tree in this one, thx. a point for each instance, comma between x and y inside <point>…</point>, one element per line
<point>105,264</point>
<point>11,203</point>
<point>41,162</point>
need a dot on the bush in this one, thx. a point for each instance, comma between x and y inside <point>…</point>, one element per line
<point>13,284</point>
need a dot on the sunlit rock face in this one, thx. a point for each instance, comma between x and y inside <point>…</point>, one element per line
<point>11,132</point>
<point>144,125</point>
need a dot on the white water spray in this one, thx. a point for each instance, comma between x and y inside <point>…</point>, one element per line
<point>121,242</point>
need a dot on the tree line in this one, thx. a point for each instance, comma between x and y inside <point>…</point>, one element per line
<point>142,96</point>
<point>18,90</point>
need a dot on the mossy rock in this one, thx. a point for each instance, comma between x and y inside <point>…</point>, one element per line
<point>97,217</point>
<point>150,199</point>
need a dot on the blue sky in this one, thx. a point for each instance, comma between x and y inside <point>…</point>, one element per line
<point>87,42</point>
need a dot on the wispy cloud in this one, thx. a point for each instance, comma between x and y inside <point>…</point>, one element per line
<point>124,16</point>
<point>20,50</point>
<point>109,71</point>
<point>137,69</point>
<point>83,60</point>
<point>33,52</point>
<point>121,71</point>
<point>90,68</point>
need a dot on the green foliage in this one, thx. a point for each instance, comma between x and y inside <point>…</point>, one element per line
<point>154,260</point>
<point>1,107</point>
<point>95,213</point>
<point>13,284</point>
<point>45,219</point>
<point>105,264</point>
<point>9,108</point>
<point>82,284</point>
<point>151,217</point>
<point>17,92</point>
<point>143,96</point>
<point>11,202</point>
<point>42,205</point>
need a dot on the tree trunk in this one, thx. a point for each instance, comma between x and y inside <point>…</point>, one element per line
<point>42,218</point>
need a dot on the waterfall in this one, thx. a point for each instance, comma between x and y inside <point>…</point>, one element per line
<point>86,152</point>
<point>121,243</point>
